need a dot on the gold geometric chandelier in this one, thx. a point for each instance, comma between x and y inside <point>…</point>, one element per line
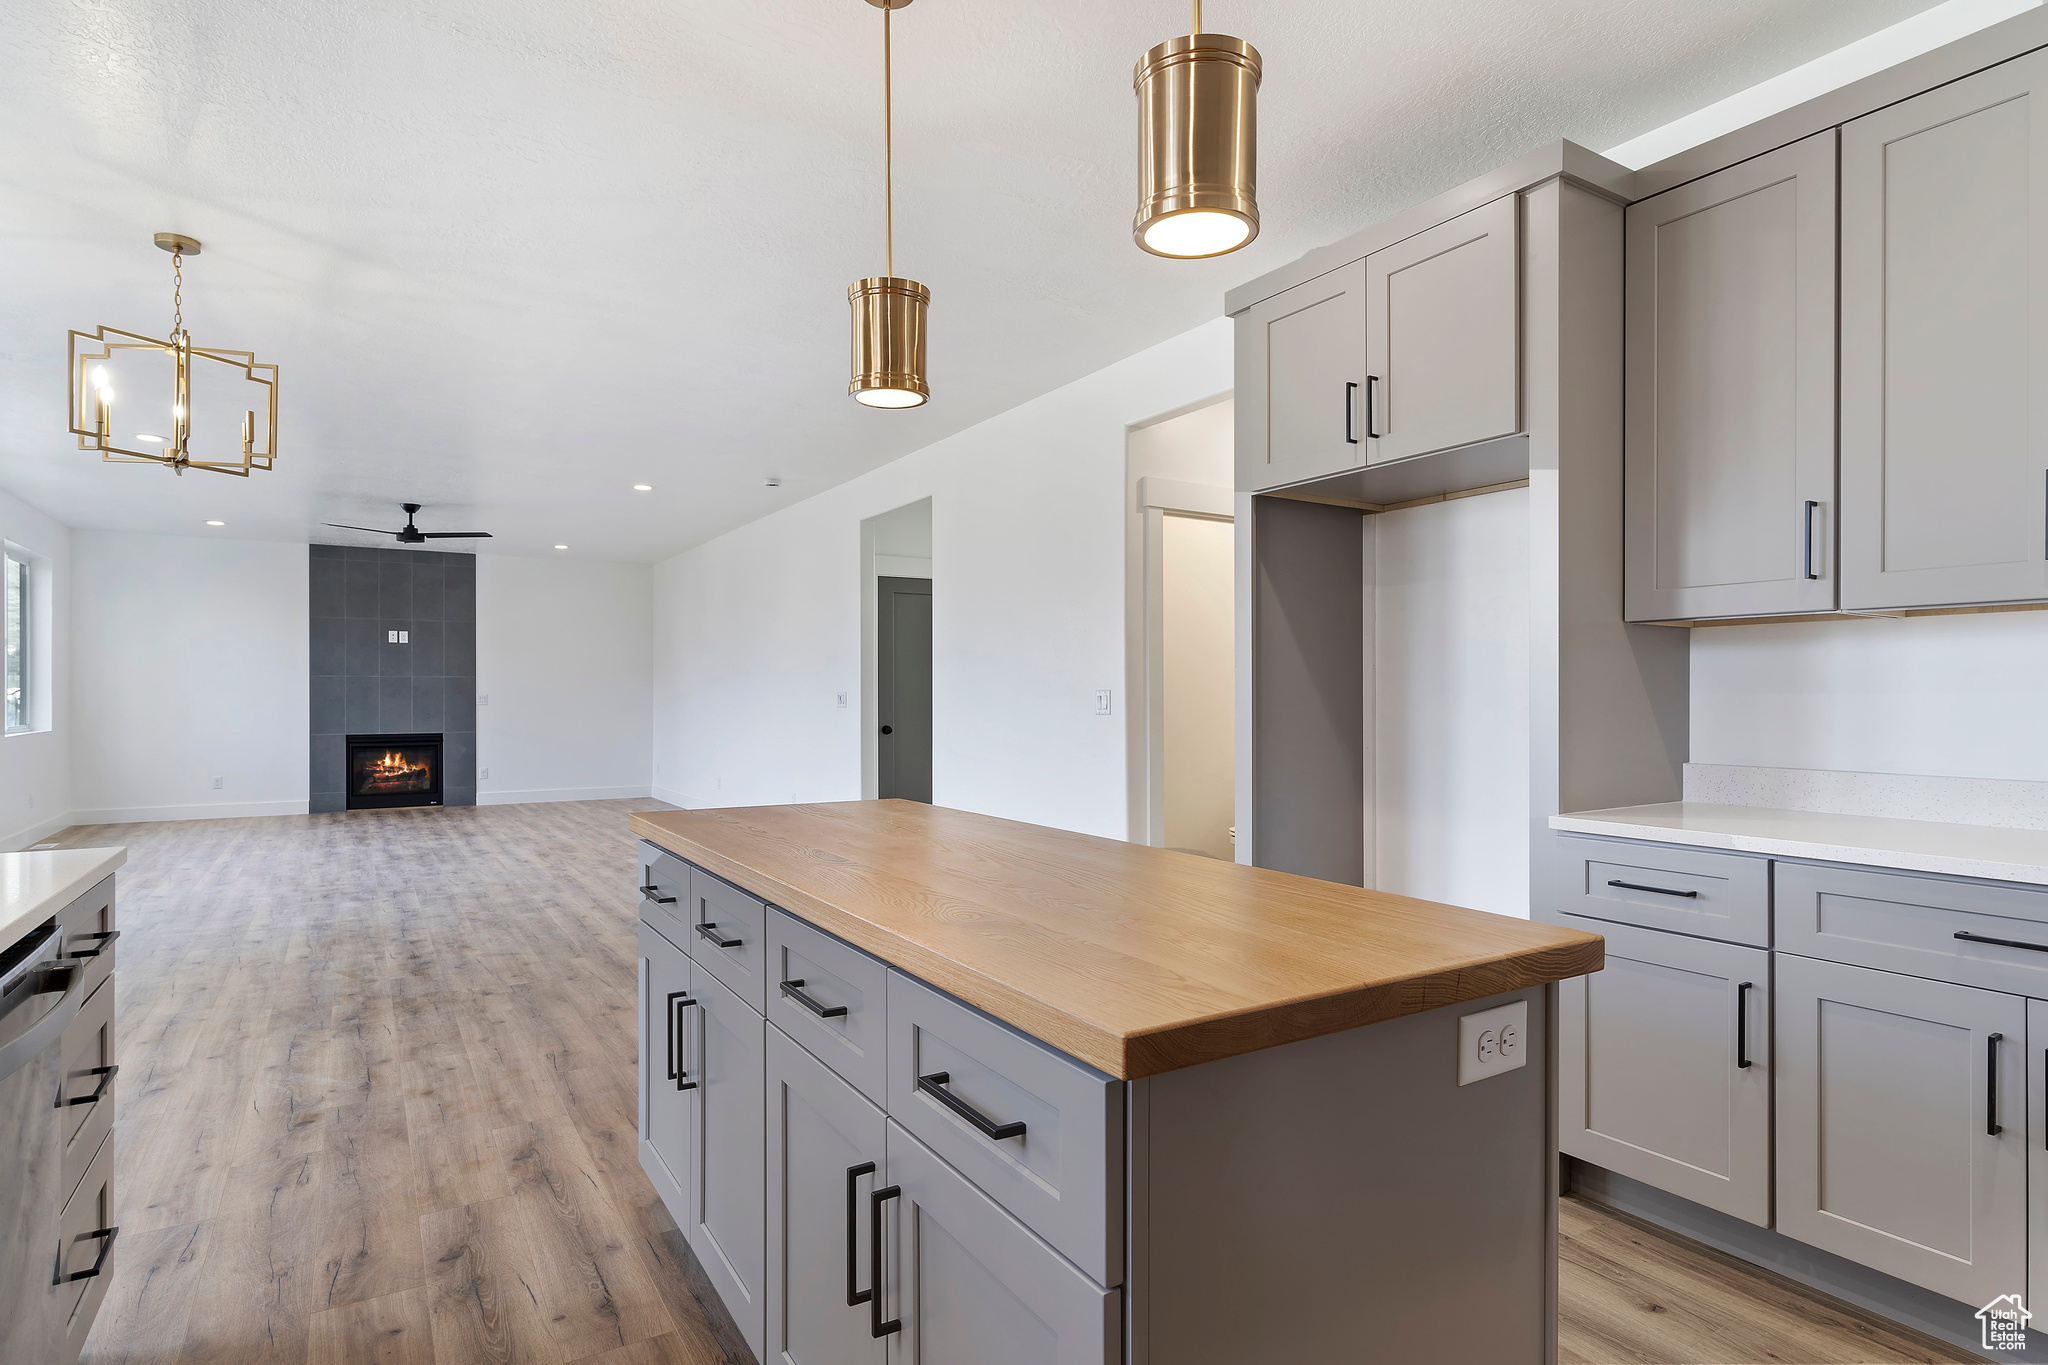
<point>1198,145</point>
<point>109,362</point>
<point>888,313</point>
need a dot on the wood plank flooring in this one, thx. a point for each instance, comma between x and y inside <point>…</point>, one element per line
<point>376,1107</point>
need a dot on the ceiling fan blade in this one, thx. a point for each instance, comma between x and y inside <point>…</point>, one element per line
<point>371,529</point>
<point>456,535</point>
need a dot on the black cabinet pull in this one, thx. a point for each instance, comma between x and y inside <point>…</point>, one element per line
<point>1658,890</point>
<point>934,1085</point>
<point>855,1297</point>
<point>718,940</point>
<point>1372,389</point>
<point>106,941</point>
<point>678,1001</point>
<point>99,1262</point>
<point>1742,1024</point>
<point>649,891</point>
<point>1350,406</point>
<point>875,1201</point>
<point>1992,1127</point>
<point>1806,553</point>
<point>2002,942</point>
<point>106,1075</point>
<point>794,990</point>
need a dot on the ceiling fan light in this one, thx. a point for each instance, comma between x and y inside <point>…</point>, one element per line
<point>1198,150</point>
<point>888,342</point>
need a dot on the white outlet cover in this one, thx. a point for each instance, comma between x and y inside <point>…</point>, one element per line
<point>1493,1041</point>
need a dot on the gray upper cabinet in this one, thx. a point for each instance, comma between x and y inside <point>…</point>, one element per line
<point>1902,1125</point>
<point>1731,391</point>
<point>1443,336</point>
<point>1945,345</point>
<point>727,1201</point>
<point>1300,375</point>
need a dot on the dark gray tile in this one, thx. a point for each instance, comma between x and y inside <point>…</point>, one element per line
<point>328,754</point>
<point>325,551</point>
<point>427,585</point>
<point>458,759</point>
<point>459,704</point>
<point>365,641</point>
<point>359,589</point>
<point>458,796</point>
<point>458,594</point>
<point>329,708</point>
<point>429,655</point>
<point>326,592</point>
<point>329,652</point>
<point>427,704</point>
<point>394,591</point>
<point>361,704</point>
<point>394,705</point>
<point>459,658</point>
<point>326,803</point>
<point>394,660</point>
<point>363,554</point>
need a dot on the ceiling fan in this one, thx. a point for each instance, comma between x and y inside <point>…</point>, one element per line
<point>411,534</point>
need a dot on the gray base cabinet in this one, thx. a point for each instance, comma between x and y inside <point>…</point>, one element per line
<point>728,1187</point>
<point>668,1094</point>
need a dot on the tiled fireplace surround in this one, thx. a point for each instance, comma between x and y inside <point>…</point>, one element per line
<point>364,684</point>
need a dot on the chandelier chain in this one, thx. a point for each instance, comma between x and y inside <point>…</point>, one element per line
<point>177,295</point>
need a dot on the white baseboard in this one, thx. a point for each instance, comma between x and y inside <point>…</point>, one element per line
<point>675,798</point>
<point>36,833</point>
<point>223,810</point>
<point>563,794</point>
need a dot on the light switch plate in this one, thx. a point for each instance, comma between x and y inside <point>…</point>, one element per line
<point>1493,1041</point>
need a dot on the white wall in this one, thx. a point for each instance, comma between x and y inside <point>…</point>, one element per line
<point>757,630</point>
<point>190,663</point>
<point>1946,696</point>
<point>35,769</point>
<point>563,653</point>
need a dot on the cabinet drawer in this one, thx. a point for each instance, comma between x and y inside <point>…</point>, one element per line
<point>1062,1171</point>
<point>830,997</point>
<point>86,1237</point>
<point>665,892</point>
<point>728,934</point>
<point>87,927</point>
<point>88,1053</point>
<point>1902,923</point>
<point>1711,895</point>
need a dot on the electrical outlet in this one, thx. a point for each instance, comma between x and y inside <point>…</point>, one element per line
<point>1493,1041</point>
<point>1102,700</point>
<point>484,773</point>
<point>31,800</point>
<point>483,699</point>
<point>217,783</point>
<point>842,701</point>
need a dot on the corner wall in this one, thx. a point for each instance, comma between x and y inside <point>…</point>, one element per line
<point>35,769</point>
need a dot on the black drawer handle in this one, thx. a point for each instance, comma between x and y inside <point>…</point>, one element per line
<point>718,940</point>
<point>855,1297</point>
<point>934,1084</point>
<point>1742,1024</point>
<point>875,1201</point>
<point>2002,942</point>
<point>1350,407</point>
<point>678,1001</point>
<point>99,1262</point>
<point>1992,1127</point>
<point>649,891</point>
<point>794,990</point>
<point>106,941</point>
<point>1659,890</point>
<point>106,1075</point>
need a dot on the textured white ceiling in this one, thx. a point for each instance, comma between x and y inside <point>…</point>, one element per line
<point>514,256</point>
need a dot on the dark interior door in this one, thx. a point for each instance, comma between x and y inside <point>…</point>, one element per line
<point>903,682</point>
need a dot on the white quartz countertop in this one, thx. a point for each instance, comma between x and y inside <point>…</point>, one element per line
<point>1988,851</point>
<point>35,886</point>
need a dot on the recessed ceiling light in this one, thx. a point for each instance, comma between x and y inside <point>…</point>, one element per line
<point>216,523</point>
<point>145,436</point>
<point>643,488</point>
<point>561,547</point>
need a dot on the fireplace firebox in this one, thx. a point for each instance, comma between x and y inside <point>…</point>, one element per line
<point>393,770</point>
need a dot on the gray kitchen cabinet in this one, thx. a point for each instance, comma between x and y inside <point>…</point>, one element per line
<point>1945,345</point>
<point>1443,336</point>
<point>727,1198</point>
<point>2036,1066</point>
<point>1902,1125</point>
<point>668,1091</point>
<point>827,1155</point>
<point>975,1284</point>
<point>1664,1067</point>
<point>1300,379</point>
<point>1730,460</point>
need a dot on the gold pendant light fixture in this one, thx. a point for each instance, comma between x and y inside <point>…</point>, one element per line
<point>108,362</point>
<point>888,313</point>
<point>1198,149</point>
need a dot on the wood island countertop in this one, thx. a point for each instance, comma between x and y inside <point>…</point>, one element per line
<point>1136,960</point>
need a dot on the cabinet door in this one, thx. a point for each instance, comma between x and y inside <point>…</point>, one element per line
<point>1300,375</point>
<point>1731,390</point>
<point>1902,1126</point>
<point>827,1153</point>
<point>1443,335</point>
<point>1945,345</point>
<point>668,1097</point>
<point>2037,1150</point>
<point>1664,1068</point>
<point>971,1283</point>
<point>729,1190</point>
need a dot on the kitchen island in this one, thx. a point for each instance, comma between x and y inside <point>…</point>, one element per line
<point>922,1085</point>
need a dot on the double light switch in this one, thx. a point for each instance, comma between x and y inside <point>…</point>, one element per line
<point>398,637</point>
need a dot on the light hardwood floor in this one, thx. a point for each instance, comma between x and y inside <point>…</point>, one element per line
<point>376,1108</point>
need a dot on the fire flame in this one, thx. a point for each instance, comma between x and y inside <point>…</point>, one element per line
<point>394,765</point>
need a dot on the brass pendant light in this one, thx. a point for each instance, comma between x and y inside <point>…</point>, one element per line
<point>1198,150</point>
<point>888,313</point>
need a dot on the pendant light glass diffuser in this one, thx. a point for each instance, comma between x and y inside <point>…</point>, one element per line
<point>888,313</point>
<point>1198,151</point>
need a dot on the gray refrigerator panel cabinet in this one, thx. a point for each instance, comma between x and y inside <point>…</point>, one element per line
<point>1945,345</point>
<point>1300,382</point>
<point>1664,1068</point>
<point>668,1118</point>
<point>1902,1125</point>
<point>728,1192</point>
<point>1731,391</point>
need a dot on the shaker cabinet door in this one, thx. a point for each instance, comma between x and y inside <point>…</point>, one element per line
<point>2036,1068</point>
<point>1443,328</point>
<point>1945,345</point>
<point>668,1097</point>
<point>1731,391</point>
<point>1664,1068</point>
<point>1300,380</point>
<point>729,1221</point>
<point>1902,1125</point>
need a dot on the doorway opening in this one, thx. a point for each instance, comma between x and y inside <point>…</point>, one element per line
<point>896,636</point>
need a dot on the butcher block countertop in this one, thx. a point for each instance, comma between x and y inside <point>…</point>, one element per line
<point>1136,960</point>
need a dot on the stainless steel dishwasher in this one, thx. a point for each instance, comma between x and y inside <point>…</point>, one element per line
<point>40,993</point>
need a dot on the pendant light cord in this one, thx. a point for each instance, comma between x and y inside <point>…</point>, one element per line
<point>1198,16</point>
<point>889,156</point>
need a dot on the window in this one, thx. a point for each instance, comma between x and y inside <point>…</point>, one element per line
<point>18,603</point>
